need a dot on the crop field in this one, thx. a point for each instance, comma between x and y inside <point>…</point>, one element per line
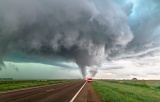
<point>128,90</point>
<point>17,84</point>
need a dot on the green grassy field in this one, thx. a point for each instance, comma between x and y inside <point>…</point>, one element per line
<point>128,91</point>
<point>17,84</point>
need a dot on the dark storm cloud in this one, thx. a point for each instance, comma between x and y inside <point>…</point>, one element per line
<point>145,23</point>
<point>36,59</point>
<point>1,62</point>
<point>82,31</point>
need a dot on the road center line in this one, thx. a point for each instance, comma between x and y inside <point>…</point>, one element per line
<point>77,93</point>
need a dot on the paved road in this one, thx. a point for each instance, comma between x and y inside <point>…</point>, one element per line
<point>52,93</point>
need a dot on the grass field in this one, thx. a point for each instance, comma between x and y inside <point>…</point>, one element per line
<point>128,91</point>
<point>17,84</point>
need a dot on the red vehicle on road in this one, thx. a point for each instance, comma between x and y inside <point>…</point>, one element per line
<point>89,79</point>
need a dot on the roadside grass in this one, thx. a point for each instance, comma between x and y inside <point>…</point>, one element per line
<point>126,92</point>
<point>17,84</point>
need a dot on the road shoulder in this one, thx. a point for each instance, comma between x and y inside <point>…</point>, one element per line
<point>88,94</point>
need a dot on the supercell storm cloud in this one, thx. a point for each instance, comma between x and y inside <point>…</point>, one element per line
<point>86,32</point>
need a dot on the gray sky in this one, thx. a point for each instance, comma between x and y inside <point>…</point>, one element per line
<point>82,38</point>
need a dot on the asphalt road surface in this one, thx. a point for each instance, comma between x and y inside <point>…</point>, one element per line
<point>63,92</point>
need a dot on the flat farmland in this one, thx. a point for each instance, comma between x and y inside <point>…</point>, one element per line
<point>128,90</point>
<point>18,84</point>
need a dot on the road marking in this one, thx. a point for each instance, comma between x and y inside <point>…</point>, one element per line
<point>77,93</point>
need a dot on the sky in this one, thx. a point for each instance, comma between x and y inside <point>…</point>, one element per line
<point>57,39</point>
